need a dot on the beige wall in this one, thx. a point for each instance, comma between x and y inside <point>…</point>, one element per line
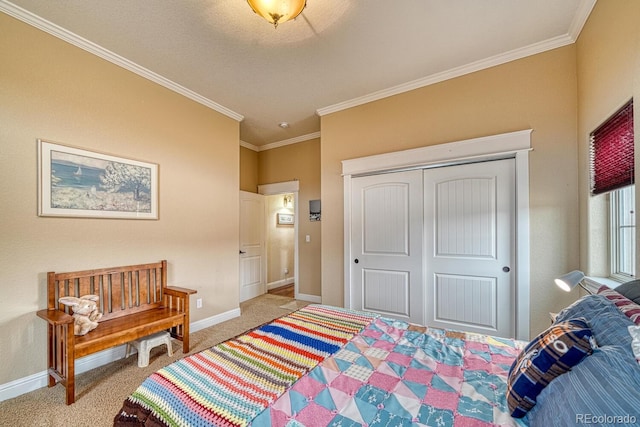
<point>248,170</point>
<point>53,90</point>
<point>300,162</point>
<point>537,92</point>
<point>608,52</point>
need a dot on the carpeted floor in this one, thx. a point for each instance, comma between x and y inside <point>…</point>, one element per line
<point>101,391</point>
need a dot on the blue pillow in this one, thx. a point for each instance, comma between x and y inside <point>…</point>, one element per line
<point>607,323</point>
<point>602,390</point>
<point>550,354</point>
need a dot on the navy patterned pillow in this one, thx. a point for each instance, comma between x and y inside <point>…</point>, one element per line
<point>550,354</point>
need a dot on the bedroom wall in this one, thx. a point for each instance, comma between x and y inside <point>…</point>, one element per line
<point>248,170</point>
<point>300,162</point>
<point>53,90</point>
<point>608,64</point>
<point>537,92</point>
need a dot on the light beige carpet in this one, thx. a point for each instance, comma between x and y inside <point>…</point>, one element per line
<point>101,391</point>
<point>294,305</point>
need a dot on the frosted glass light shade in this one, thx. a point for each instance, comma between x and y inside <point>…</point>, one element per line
<point>277,11</point>
<point>568,281</point>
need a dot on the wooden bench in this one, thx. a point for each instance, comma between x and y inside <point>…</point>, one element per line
<point>135,301</point>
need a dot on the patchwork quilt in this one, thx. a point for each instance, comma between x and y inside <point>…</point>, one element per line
<point>326,366</point>
<point>397,374</point>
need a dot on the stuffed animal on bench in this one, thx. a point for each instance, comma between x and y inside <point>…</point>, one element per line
<point>85,312</point>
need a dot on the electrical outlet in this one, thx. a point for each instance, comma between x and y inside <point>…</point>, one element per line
<point>199,303</point>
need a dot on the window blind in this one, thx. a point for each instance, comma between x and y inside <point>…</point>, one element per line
<point>611,152</point>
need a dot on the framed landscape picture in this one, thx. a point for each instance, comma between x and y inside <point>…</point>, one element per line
<point>78,183</point>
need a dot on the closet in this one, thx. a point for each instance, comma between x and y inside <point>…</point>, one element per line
<point>435,243</point>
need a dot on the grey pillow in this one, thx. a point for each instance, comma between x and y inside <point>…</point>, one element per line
<point>631,290</point>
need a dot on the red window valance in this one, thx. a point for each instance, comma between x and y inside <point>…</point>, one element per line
<point>611,152</point>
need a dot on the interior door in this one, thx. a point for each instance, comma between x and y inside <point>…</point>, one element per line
<point>469,247</point>
<point>386,273</point>
<point>252,245</point>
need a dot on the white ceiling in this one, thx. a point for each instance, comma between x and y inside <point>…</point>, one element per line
<point>337,54</point>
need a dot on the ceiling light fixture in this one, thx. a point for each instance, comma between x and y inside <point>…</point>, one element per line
<point>284,125</point>
<point>277,11</point>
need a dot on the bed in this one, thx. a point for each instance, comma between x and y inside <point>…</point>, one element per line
<point>324,365</point>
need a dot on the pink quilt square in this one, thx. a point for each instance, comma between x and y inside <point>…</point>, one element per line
<point>346,384</point>
<point>315,415</point>
<point>278,418</point>
<point>449,370</point>
<point>383,381</point>
<point>462,421</point>
<point>307,386</point>
<point>384,345</point>
<point>476,363</point>
<point>441,399</point>
<point>400,359</point>
<point>371,333</point>
<point>474,345</point>
<point>420,376</point>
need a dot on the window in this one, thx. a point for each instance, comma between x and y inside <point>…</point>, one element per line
<point>612,172</point>
<point>623,233</point>
<point>611,152</point>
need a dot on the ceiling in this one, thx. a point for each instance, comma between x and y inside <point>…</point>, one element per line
<point>337,54</point>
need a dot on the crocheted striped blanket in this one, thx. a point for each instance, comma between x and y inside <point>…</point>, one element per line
<point>232,382</point>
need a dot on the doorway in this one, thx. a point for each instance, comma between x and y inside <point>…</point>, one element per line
<point>280,243</point>
<point>281,234</point>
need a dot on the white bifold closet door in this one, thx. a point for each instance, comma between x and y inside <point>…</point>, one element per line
<point>386,272</point>
<point>469,247</point>
<point>436,246</point>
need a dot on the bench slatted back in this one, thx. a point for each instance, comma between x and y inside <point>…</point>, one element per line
<point>122,290</point>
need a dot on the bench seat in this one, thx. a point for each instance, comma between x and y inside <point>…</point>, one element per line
<point>135,302</point>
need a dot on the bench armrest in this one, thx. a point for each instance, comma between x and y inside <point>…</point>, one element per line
<point>55,317</point>
<point>179,291</point>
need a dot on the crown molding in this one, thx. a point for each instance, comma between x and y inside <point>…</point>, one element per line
<point>282,143</point>
<point>580,18</point>
<point>249,146</point>
<point>556,42</point>
<point>74,39</point>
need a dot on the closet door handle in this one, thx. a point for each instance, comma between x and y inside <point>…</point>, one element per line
<point>242,252</point>
<point>356,260</point>
<point>506,269</point>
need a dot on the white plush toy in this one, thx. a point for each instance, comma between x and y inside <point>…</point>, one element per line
<point>85,312</point>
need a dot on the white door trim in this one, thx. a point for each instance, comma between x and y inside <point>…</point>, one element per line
<point>513,144</point>
<point>281,188</point>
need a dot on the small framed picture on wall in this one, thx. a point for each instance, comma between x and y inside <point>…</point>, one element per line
<point>285,219</point>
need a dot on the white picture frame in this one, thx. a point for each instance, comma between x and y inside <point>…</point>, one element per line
<point>74,182</point>
<point>286,219</point>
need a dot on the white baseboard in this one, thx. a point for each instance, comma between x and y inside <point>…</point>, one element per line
<point>214,320</point>
<point>280,283</point>
<point>38,380</point>
<point>310,298</point>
